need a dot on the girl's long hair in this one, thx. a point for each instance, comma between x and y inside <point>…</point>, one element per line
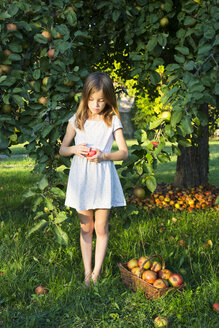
<point>97,81</point>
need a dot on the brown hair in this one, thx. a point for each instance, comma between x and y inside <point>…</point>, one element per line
<point>97,81</point>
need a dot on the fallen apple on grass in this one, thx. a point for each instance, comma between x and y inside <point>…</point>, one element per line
<point>175,279</point>
<point>215,307</point>
<point>1,273</point>
<point>161,322</point>
<point>41,290</point>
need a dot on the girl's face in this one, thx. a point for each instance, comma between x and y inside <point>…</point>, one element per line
<point>96,103</point>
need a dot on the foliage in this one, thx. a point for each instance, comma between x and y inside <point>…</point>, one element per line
<point>41,75</point>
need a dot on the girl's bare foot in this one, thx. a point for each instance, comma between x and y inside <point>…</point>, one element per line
<point>87,279</point>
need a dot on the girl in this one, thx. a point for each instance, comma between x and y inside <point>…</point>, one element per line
<point>93,184</point>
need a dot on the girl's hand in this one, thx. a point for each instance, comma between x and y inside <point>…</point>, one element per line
<point>81,150</point>
<point>98,157</point>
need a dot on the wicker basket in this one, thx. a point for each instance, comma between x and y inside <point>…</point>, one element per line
<point>134,282</point>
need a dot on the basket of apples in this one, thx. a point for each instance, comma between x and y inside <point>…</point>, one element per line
<point>151,276</point>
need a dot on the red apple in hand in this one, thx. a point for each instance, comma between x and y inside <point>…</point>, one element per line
<point>164,274</point>
<point>175,279</point>
<point>91,153</point>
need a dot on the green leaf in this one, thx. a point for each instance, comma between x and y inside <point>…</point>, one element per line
<point>152,43</point>
<point>40,39</point>
<point>162,40</point>
<point>43,183</point>
<point>189,66</point>
<point>71,18</point>
<point>46,130</point>
<point>18,100</point>
<point>176,150</point>
<point>29,193</point>
<point>182,50</point>
<point>49,203</point>
<point>13,9</point>
<point>61,236</point>
<point>155,77</point>
<point>185,143</point>
<point>151,183</point>
<point>186,125</point>
<point>36,74</point>
<point>155,124</point>
<point>116,14</point>
<point>58,192</point>
<point>39,226</point>
<point>217,201</point>
<point>179,59</point>
<point>15,47</point>
<point>14,57</point>
<point>60,217</point>
<point>176,118</point>
<point>130,160</point>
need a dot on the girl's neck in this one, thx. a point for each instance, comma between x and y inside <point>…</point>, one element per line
<point>97,117</point>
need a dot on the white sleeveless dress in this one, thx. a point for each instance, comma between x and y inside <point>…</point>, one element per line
<point>94,185</point>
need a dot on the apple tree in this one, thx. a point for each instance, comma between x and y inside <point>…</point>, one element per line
<point>49,46</point>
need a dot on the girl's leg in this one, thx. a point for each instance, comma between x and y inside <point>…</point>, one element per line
<point>102,236</point>
<point>86,234</point>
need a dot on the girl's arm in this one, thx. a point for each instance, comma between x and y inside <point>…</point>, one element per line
<point>66,149</point>
<point>118,155</point>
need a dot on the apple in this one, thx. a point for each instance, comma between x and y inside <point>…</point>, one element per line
<point>136,271</point>
<point>132,264</point>
<point>165,115</point>
<point>50,53</point>
<point>159,283</point>
<point>42,101</point>
<point>139,192</point>
<point>41,290</point>
<point>7,52</point>
<point>149,276</point>
<point>6,109</point>
<point>5,68</point>
<point>47,35</point>
<point>155,144</point>
<point>91,153</point>
<point>161,322</point>
<point>11,27</point>
<point>59,36</point>
<point>156,266</point>
<point>141,260</point>
<point>164,274</point>
<point>164,21</point>
<point>45,80</point>
<point>215,307</point>
<point>176,279</point>
<point>1,273</point>
<point>68,83</point>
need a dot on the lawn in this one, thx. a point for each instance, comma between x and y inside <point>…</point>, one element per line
<point>27,262</point>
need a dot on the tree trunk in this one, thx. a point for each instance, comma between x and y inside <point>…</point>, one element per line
<point>192,165</point>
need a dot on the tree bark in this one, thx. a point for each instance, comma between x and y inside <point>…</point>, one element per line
<point>193,164</point>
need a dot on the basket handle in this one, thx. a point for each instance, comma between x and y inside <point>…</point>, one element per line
<point>151,257</point>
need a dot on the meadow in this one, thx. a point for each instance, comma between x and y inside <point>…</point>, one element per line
<point>27,262</point>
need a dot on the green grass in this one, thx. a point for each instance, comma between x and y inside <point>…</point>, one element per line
<point>31,261</point>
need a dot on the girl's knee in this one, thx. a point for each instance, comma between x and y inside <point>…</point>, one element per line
<point>87,228</point>
<point>101,230</point>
